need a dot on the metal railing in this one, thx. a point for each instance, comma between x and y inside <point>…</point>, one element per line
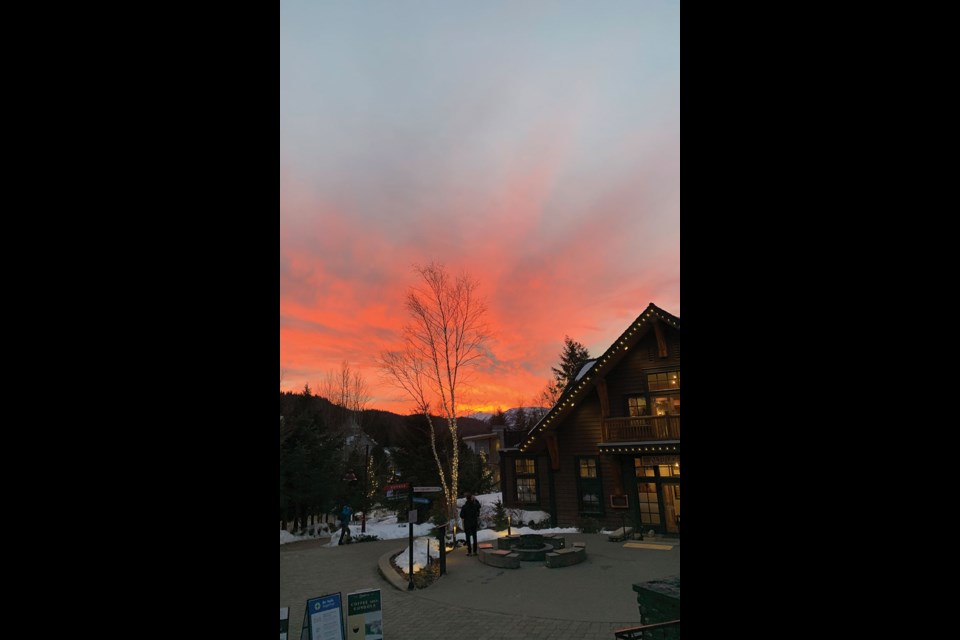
<point>637,428</point>
<point>661,630</point>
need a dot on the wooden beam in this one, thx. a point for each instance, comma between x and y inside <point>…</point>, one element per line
<point>604,397</point>
<point>551,439</point>
<point>661,339</point>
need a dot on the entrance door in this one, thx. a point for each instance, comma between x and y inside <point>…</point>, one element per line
<point>658,492</point>
<point>649,505</point>
<point>671,506</point>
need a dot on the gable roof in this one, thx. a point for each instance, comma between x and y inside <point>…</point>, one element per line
<point>582,384</point>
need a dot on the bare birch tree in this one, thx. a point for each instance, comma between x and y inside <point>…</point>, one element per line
<point>445,336</point>
<point>348,392</point>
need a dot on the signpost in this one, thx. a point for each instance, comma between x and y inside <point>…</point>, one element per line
<point>411,518</point>
<point>284,622</point>
<point>394,489</point>
<point>397,490</point>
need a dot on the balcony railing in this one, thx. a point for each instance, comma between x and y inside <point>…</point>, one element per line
<point>639,428</point>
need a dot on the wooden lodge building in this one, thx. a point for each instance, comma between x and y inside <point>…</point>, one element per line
<point>610,448</point>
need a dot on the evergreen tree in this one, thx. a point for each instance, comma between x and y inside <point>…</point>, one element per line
<point>571,360</point>
<point>499,516</point>
<point>498,418</point>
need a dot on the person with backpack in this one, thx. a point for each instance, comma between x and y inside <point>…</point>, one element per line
<point>345,516</point>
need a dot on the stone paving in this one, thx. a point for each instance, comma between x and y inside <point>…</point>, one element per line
<point>587,601</point>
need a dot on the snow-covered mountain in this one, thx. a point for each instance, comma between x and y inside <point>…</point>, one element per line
<point>509,413</point>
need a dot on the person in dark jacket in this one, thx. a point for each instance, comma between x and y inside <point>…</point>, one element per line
<point>470,515</point>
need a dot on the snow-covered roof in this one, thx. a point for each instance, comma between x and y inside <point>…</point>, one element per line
<point>586,367</point>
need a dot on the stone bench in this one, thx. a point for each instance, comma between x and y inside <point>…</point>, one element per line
<point>502,558</point>
<point>620,534</point>
<point>566,557</point>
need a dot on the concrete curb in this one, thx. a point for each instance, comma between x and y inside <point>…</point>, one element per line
<point>385,566</point>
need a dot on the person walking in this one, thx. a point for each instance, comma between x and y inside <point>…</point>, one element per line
<point>345,516</point>
<point>470,515</point>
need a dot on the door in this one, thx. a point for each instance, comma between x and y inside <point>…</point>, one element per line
<point>649,505</point>
<point>671,506</point>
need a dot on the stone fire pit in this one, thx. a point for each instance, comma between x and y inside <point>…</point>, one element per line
<point>532,548</point>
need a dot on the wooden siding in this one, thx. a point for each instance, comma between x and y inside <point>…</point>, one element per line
<point>629,377</point>
<point>582,429</point>
<point>574,442</point>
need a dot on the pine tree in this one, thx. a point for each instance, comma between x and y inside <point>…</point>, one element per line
<point>498,418</point>
<point>499,516</point>
<point>571,360</point>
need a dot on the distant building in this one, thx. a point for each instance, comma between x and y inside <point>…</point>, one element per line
<point>610,448</point>
<point>481,437</point>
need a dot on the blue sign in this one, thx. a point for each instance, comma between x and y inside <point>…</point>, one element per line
<point>322,619</point>
<point>417,500</point>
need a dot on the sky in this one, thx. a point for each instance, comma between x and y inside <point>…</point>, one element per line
<point>534,146</point>
<point>384,525</point>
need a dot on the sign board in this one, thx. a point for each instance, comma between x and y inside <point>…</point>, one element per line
<point>364,615</point>
<point>399,486</point>
<point>420,501</point>
<point>426,489</point>
<point>284,622</point>
<point>412,516</point>
<point>323,618</point>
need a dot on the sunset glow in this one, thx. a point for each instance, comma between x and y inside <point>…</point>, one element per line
<point>535,146</point>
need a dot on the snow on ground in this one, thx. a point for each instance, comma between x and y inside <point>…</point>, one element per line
<point>384,525</point>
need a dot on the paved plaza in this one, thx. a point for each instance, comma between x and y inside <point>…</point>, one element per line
<point>587,601</point>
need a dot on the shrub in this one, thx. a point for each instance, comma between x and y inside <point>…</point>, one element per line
<point>540,524</point>
<point>365,537</point>
<point>499,516</point>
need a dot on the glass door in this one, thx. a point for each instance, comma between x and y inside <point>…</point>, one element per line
<point>649,504</point>
<point>671,507</point>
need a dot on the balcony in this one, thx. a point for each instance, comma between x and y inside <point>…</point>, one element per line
<point>639,428</point>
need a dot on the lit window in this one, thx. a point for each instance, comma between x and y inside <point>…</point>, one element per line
<point>664,381</point>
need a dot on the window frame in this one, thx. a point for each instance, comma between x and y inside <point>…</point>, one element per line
<point>592,485</point>
<point>526,476</point>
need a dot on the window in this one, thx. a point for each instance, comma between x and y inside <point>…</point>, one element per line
<point>588,467</point>
<point>670,470</point>
<point>664,381</point>
<point>666,405</point>
<point>637,406</point>
<point>526,472</point>
<point>588,485</point>
<point>525,466</point>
